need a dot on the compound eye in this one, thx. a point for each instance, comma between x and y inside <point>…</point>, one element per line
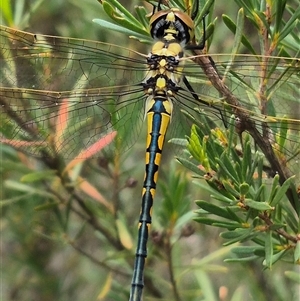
<point>185,19</point>
<point>158,15</point>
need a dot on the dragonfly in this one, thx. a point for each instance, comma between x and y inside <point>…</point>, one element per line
<point>108,87</point>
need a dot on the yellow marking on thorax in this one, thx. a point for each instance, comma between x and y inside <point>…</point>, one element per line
<point>162,65</point>
<point>161,84</point>
<point>172,49</point>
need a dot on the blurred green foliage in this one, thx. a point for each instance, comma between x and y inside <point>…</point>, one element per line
<point>61,243</point>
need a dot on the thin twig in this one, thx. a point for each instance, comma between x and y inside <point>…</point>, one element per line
<point>98,262</point>
<point>265,217</point>
<point>170,268</point>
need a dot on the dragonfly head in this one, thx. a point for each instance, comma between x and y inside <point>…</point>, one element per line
<point>172,24</point>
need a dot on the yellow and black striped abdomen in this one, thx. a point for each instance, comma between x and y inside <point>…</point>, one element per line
<point>158,119</point>
<point>158,112</point>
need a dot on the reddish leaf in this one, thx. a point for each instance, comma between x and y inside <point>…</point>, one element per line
<point>92,150</point>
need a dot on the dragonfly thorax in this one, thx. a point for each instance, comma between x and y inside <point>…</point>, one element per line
<point>167,48</point>
<point>164,68</point>
<point>162,63</point>
<point>161,85</point>
<point>174,29</point>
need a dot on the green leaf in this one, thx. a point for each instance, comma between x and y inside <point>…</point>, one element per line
<point>14,165</point>
<point>215,222</point>
<point>275,185</point>
<point>121,29</point>
<point>246,250</point>
<point>204,281</point>
<point>11,201</point>
<point>116,10</point>
<point>280,193</point>
<point>141,14</point>
<point>215,193</point>
<point>210,29</point>
<point>47,206</point>
<point>269,249</point>
<point>205,221</point>
<point>191,166</point>
<point>276,257</point>
<point>183,220</point>
<point>197,148</point>
<point>244,188</point>
<point>277,226</point>
<point>39,176</point>
<point>247,161</point>
<point>124,18</point>
<point>231,189</point>
<point>233,216</point>
<point>28,189</point>
<point>21,15</point>
<point>294,276</point>
<point>261,20</point>
<point>238,294</point>
<point>238,235</point>
<point>244,259</point>
<point>279,9</point>
<point>6,12</point>
<point>232,27</point>
<point>123,232</point>
<point>179,141</point>
<point>261,206</point>
<point>228,225</point>
<point>292,22</point>
<point>297,253</point>
<point>237,40</point>
<point>228,169</point>
<point>204,10</point>
<point>282,137</point>
<point>213,209</point>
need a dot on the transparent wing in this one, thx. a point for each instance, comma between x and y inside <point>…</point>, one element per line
<point>64,94</point>
<point>262,92</point>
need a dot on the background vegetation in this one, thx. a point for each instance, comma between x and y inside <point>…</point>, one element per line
<point>60,244</point>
